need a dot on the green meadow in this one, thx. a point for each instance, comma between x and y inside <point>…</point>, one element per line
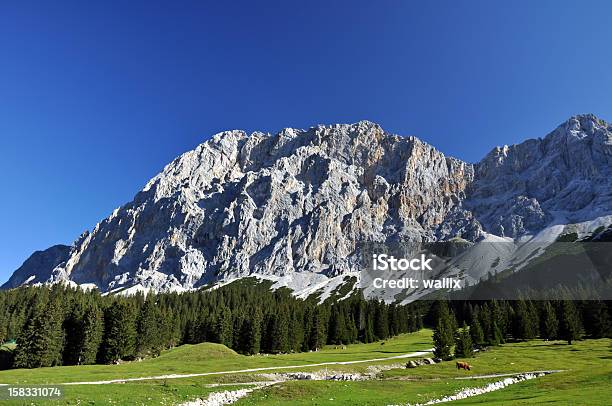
<point>210,357</point>
<point>586,378</point>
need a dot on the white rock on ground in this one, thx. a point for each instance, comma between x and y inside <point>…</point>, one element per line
<point>491,387</point>
<point>220,398</point>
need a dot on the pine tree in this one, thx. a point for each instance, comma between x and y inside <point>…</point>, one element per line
<point>337,329</point>
<point>550,323</point>
<point>369,329</point>
<point>394,324</point>
<point>534,320</point>
<point>119,332</point>
<point>525,322</point>
<point>148,327</point>
<point>485,319</point>
<point>571,329</point>
<point>40,344</point>
<point>419,322</point>
<point>73,327</point>
<point>499,316</point>
<point>443,340</point>
<point>170,328</point>
<point>3,321</point>
<point>597,320</point>
<point>296,332</point>
<point>412,323</point>
<point>351,329</point>
<point>463,343</point>
<point>93,330</point>
<point>254,333</point>
<point>381,322</point>
<point>202,328</point>
<point>443,335</point>
<point>280,333</point>
<point>318,333</point>
<point>497,338</point>
<point>476,333</point>
<point>225,327</point>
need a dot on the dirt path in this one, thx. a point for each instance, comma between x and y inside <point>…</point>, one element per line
<point>240,371</point>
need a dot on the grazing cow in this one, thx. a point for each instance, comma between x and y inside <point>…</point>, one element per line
<point>463,365</point>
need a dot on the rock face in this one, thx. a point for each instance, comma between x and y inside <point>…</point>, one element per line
<point>39,267</point>
<point>299,203</point>
<point>517,189</point>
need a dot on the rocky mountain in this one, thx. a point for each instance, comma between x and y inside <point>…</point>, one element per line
<point>39,266</point>
<point>293,207</point>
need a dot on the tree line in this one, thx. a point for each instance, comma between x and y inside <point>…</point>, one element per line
<point>491,323</point>
<point>60,325</point>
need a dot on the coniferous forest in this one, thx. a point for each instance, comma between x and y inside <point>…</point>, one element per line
<point>67,326</point>
<point>462,326</point>
<point>59,325</point>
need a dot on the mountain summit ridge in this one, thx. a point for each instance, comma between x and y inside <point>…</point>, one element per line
<point>296,204</point>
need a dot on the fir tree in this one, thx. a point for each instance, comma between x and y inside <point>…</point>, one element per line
<point>497,338</point>
<point>318,333</point>
<point>119,333</point>
<point>443,335</point>
<point>93,329</point>
<point>484,316</point>
<point>476,333</point>
<point>73,327</point>
<point>41,342</point>
<point>550,324</point>
<point>225,327</point>
<point>3,322</point>
<point>296,333</point>
<point>463,343</point>
<point>525,322</point>
<point>381,323</point>
<point>149,335</point>
<point>597,320</point>
<point>171,328</point>
<point>337,330</point>
<point>571,328</point>
<point>254,333</point>
<point>280,333</point>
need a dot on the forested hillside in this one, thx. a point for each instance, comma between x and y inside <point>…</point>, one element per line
<point>63,326</point>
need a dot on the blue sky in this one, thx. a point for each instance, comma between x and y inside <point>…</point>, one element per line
<point>96,97</point>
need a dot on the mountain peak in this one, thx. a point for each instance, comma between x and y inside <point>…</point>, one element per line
<point>581,127</point>
<point>293,207</point>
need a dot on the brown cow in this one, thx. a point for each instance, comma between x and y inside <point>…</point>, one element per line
<point>463,365</point>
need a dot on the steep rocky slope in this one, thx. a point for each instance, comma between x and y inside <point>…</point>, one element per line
<point>519,188</point>
<point>39,266</point>
<point>294,206</point>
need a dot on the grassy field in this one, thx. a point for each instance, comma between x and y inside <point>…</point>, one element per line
<point>209,357</point>
<point>200,358</point>
<point>586,381</point>
<point>375,392</point>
